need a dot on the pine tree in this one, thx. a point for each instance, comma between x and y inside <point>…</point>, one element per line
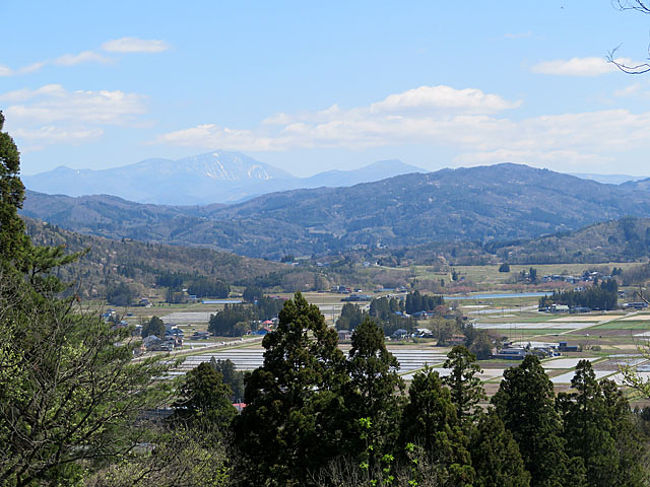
<point>495,455</point>
<point>292,423</point>
<point>464,384</point>
<point>525,403</point>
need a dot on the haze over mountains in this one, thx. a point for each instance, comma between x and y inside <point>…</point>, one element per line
<point>215,177</point>
<point>490,203</point>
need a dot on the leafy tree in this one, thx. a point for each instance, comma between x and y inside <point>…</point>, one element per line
<point>155,326</point>
<point>495,455</point>
<point>291,425</point>
<point>429,420</point>
<point>351,317</point>
<point>372,394</point>
<point>204,287</point>
<point>120,295</point>
<point>252,293</point>
<point>525,403</point>
<point>481,345</point>
<point>232,377</point>
<point>464,384</point>
<point>205,398</point>
<point>69,396</point>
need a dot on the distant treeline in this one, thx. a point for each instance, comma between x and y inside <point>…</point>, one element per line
<point>603,296</point>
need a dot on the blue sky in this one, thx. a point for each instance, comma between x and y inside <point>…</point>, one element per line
<point>311,86</point>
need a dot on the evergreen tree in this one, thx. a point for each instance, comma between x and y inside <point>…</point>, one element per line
<point>525,403</point>
<point>14,243</point>
<point>69,397</point>
<point>495,455</point>
<point>464,384</point>
<point>231,377</point>
<point>373,392</point>
<point>630,442</point>
<point>292,423</point>
<point>429,420</point>
<point>587,427</point>
<point>205,399</point>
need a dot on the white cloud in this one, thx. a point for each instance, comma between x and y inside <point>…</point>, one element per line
<point>123,45</point>
<point>578,66</point>
<point>82,57</point>
<point>133,44</point>
<point>427,98</point>
<point>52,103</point>
<point>51,114</point>
<point>588,138</point>
<point>52,134</point>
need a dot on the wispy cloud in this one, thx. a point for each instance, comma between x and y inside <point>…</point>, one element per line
<point>125,45</point>
<point>475,127</point>
<point>578,66</point>
<point>82,57</point>
<point>52,114</point>
<point>134,44</point>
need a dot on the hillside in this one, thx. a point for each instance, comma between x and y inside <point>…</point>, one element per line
<point>111,261</point>
<point>623,240</point>
<point>498,203</point>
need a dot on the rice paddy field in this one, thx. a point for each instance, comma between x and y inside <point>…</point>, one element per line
<point>610,340</point>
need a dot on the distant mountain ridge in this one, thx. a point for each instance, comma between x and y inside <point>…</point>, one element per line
<point>214,177</point>
<point>497,203</point>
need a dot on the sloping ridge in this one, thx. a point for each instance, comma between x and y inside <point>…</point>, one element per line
<point>487,203</point>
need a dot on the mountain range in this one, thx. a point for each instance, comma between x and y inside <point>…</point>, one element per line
<point>215,177</point>
<point>498,203</point>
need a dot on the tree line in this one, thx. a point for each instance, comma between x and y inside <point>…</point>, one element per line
<point>602,296</point>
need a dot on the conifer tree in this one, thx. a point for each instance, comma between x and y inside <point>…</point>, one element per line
<point>429,420</point>
<point>205,399</point>
<point>69,396</point>
<point>373,392</point>
<point>464,384</point>
<point>291,425</point>
<point>525,403</point>
<point>587,427</point>
<point>495,455</point>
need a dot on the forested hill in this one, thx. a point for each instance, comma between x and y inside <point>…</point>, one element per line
<point>623,240</point>
<point>492,203</point>
<point>109,262</point>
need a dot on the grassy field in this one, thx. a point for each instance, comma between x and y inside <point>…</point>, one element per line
<point>488,276</point>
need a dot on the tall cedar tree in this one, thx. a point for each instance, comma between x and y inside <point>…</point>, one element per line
<point>373,393</point>
<point>525,402</point>
<point>429,420</point>
<point>291,425</point>
<point>495,455</point>
<point>463,382</point>
<point>587,427</point>
<point>631,445</point>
